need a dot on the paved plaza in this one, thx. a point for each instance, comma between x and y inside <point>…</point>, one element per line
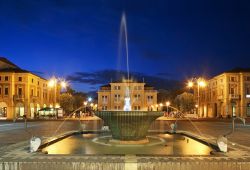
<point>15,139</point>
<point>11,133</point>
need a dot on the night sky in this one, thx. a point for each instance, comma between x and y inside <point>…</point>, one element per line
<point>168,39</point>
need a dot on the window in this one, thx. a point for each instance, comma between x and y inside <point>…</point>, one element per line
<point>117,87</point>
<point>221,92</point>
<point>32,92</point>
<point>104,108</point>
<point>117,97</point>
<point>247,78</point>
<point>38,94</point>
<point>6,91</point>
<point>104,99</point>
<point>117,107</point>
<point>32,80</point>
<point>37,82</point>
<point>233,79</point>
<point>6,78</point>
<point>19,78</point>
<point>248,90</point>
<point>20,91</point>
<point>150,99</point>
<point>137,97</point>
<point>137,108</point>
<point>232,90</point>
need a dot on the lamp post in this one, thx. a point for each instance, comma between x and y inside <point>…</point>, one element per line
<point>200,82</point>
<point>85,105</point>
<point>53,83</point>
<point>167,104</point>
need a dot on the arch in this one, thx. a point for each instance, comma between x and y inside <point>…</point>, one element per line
<point>32,110</point>
<point>38,107</point>
<point>3,110</point>
<point>19,109</point>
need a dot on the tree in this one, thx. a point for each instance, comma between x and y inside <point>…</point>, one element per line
<point>66,102</point>
<point>79,98</point>
<point>185,102</point>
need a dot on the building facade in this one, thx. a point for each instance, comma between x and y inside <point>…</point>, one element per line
<point>23,93</point>
<point>226,95</point>
<point>142,96</point>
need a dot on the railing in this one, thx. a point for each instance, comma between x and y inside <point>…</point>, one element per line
<point>18,97</point>
<point>234,96</point>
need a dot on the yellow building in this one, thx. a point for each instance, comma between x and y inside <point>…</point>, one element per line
<point>22,92</point>
<point>227,94</point>
<point>142,96</point>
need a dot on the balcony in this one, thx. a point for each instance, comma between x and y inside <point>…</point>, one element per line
<point>33,98</point>
<point>234,96</point>
<point>220,97</point>
<point>18,97</point>
<point>150,91</point>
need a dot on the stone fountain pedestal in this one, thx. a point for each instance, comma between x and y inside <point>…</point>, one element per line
<point>128,127</point>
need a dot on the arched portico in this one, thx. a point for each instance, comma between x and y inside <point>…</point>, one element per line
<point>3,110</point>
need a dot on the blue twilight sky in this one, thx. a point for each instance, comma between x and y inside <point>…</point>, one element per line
<point>168,39</point>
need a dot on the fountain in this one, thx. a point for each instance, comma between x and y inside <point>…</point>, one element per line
<point>127,126</point>
<point>126,131</point>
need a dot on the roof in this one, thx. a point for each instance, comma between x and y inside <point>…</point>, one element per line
<point>5,60</point>
<point>238,70</point>
<point>106,85</point>
<point>15,68</point>
<point>146,85</point>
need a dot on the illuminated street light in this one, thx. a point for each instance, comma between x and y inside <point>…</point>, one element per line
<point>89,99</point>
<point>200,83</point>
<point>85,103</point>
<point>161,104</point>
<point>52,82</point>
<point>64,84</point>
<point>190,84</point>
<point>167,104</point>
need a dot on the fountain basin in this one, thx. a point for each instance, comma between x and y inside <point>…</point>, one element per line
<point>128,126</point>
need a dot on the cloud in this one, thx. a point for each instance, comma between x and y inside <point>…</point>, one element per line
<point>101,77</point>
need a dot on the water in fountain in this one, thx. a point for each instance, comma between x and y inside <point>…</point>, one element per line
<point>123,43</point>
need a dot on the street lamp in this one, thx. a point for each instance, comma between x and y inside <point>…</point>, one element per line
<point>53,84</point>
<point>201,83</point>
<point>85,104</point>
<point>161,105</point>
<point>89,99</point>
<point>167,104</point>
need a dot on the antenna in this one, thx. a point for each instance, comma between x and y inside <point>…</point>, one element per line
<point>143,79</point>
